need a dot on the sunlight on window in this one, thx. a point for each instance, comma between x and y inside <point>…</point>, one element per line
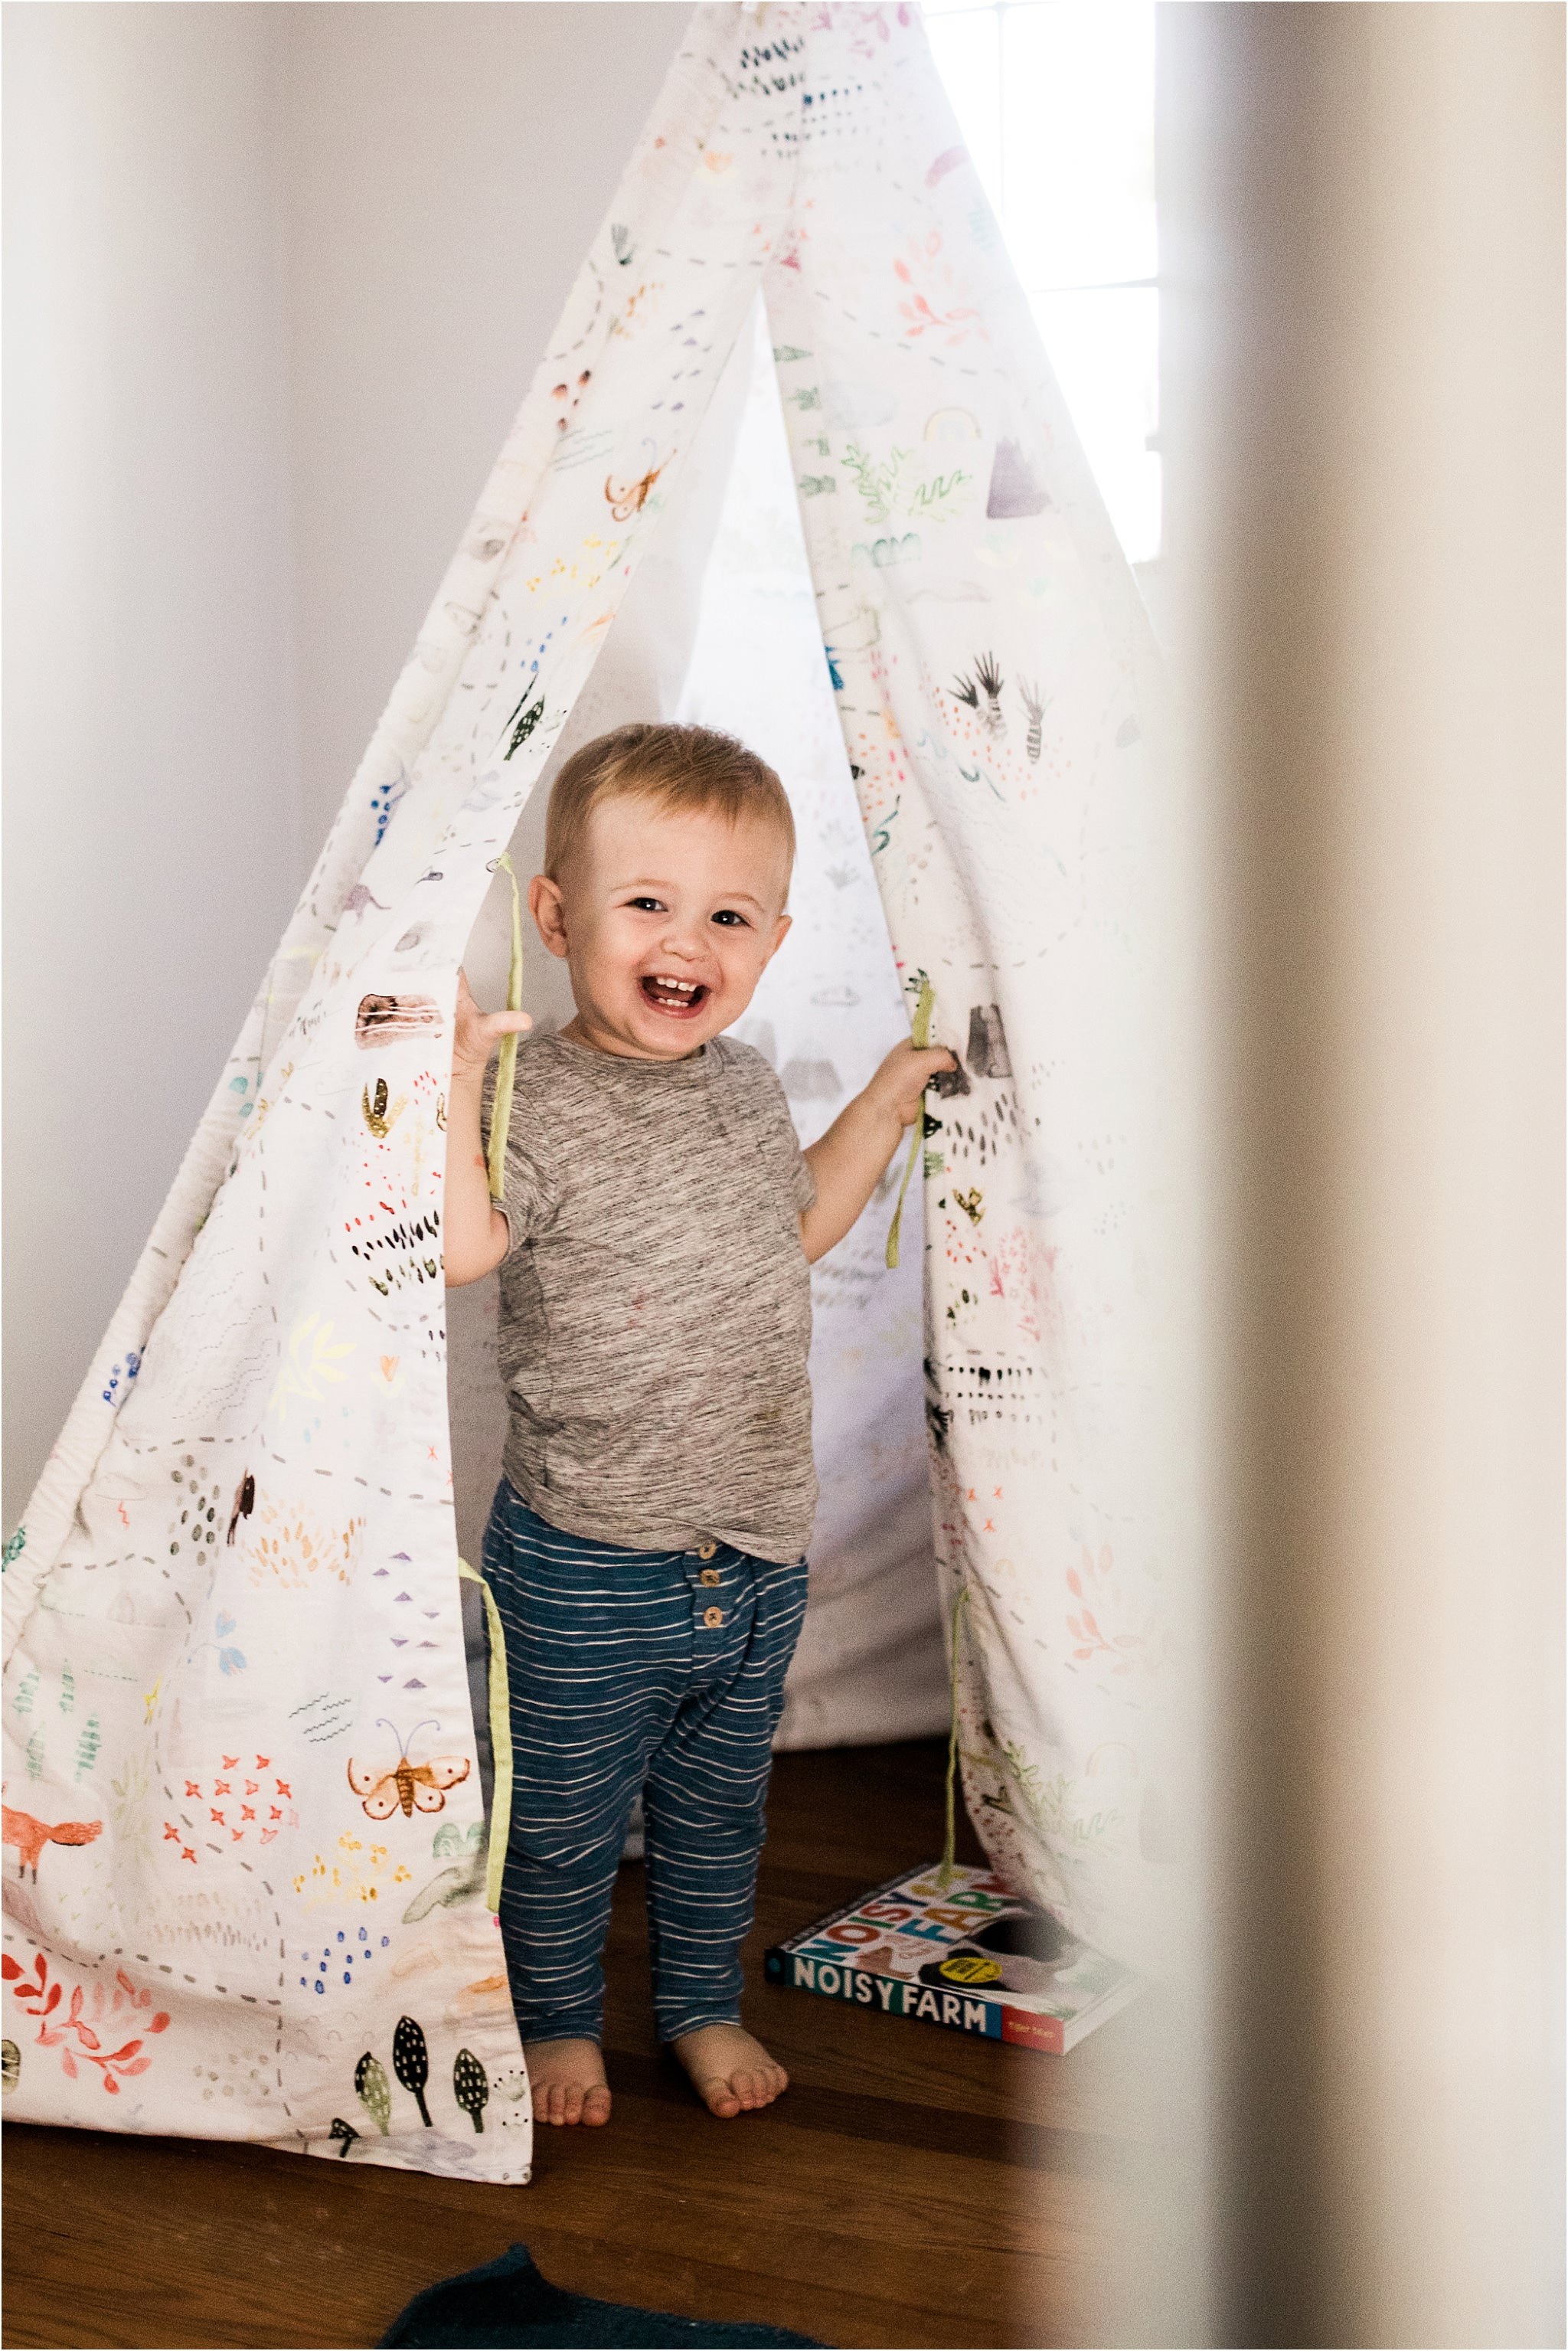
<point>1056,101</point>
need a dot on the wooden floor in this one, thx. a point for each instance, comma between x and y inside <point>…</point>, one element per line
<point>914,2186</point>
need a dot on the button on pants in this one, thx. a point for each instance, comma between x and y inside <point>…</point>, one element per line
<point>652,1671</point>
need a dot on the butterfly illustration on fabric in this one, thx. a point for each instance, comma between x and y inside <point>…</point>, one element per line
<point>631,498</point>
<point>409,1784</point>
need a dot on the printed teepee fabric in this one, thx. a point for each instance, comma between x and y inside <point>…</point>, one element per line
<point>245,1838</point>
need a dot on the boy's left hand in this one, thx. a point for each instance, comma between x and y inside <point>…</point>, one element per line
<point>847,1162</point>
<point>904,1077</point>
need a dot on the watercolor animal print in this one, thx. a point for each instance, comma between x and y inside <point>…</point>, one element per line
<point>403,1783</point>
<point>28,1837</point>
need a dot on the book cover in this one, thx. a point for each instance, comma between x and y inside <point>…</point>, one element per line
<point>972,1955</point>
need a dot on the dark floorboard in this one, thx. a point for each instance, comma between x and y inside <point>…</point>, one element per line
<point>914,2186</point>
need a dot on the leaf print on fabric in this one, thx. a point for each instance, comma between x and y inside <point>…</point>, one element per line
<point>312,1364</point>
<point>1104,1626</point>
<point>90,2018</point>
<point>928,305</point>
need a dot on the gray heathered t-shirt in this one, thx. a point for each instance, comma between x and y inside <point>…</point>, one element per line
<point>655,1302</point>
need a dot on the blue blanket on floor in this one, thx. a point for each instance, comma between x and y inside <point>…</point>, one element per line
<point>508,2303</point>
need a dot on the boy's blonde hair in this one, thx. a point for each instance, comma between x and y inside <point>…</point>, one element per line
<point>676,769</point>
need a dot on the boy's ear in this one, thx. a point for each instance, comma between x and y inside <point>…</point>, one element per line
<point>780,929</point>
<point>547,908</point>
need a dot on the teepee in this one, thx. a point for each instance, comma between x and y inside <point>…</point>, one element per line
<point>795,464</point>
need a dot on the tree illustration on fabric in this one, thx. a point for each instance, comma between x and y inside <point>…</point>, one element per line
<point>374,2091</point>
<point>344,2131</point>
<point>470,2086</point>
<point>410,2063</point>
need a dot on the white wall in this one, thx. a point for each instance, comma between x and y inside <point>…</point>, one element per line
<point>446,167</point>
<point>153,819</point>
<point>278,276</point>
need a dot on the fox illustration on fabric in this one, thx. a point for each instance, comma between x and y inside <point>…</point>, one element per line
<point>30,1836</point>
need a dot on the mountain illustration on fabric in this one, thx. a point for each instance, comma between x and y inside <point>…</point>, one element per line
<point>1017,493</point>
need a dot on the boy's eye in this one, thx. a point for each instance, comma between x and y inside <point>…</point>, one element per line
<point>647,905</point>
<point>728,917</point>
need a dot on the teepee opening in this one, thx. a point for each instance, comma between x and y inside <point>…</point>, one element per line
<point>719,627</point>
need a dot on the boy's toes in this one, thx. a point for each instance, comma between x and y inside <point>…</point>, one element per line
<point>731,2071</point>
<point>761,2089</point>
<point>568,2080</point>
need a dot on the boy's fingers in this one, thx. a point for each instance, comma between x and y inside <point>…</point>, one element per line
<point>493,1025</point>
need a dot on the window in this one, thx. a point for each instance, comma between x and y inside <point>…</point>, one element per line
<point>1056,101</point>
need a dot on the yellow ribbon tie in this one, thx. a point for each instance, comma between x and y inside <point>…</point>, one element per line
<point>951,1844</point>
<point>507,1067</point>
<point>500,1741</point>
<point>919,1037</point>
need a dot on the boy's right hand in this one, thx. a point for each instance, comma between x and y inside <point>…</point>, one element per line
<point>476,1035</point>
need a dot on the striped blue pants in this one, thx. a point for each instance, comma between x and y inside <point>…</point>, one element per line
<point>658,1672</point>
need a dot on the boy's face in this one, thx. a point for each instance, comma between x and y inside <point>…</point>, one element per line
<point>666,922</point>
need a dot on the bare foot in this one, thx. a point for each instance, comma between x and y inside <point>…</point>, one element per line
<point>731,2072</point>
<point>567,2078</point>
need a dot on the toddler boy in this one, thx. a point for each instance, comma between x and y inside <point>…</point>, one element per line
<point>646,1544</point>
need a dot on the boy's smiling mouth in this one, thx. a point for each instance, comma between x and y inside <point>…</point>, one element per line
<point>679,998</point>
